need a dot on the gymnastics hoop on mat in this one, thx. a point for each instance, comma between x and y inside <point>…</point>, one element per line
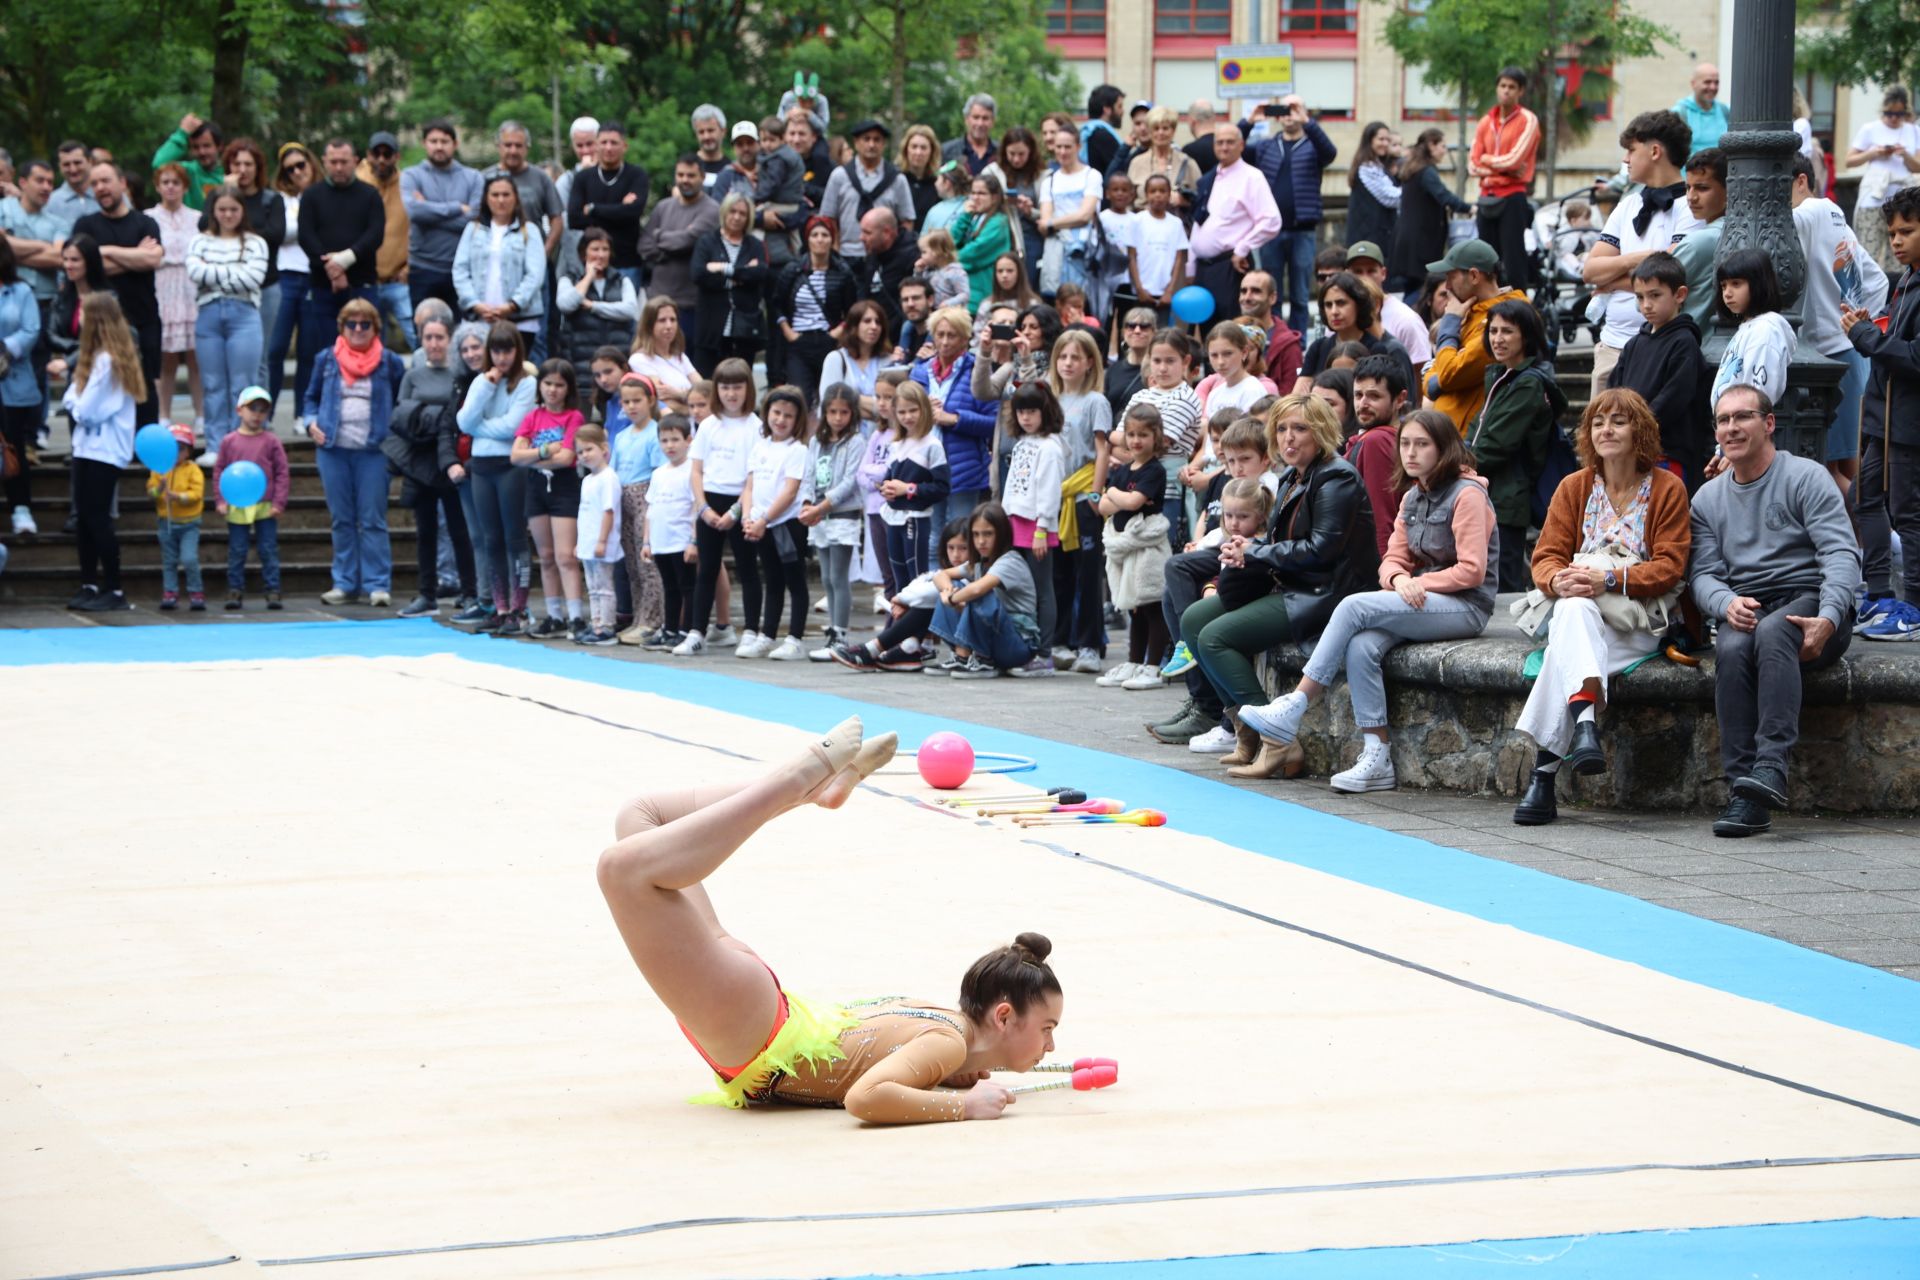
<point>1001,762</point>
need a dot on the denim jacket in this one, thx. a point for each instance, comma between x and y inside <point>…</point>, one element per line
<point>523,268</point>
<point>19,331</point>
<point>323,396</point>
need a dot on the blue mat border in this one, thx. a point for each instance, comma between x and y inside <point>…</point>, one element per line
<point>1841,992</point>
<point>1845,1249</point>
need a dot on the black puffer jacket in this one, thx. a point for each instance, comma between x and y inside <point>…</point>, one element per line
<point>1320,545</point>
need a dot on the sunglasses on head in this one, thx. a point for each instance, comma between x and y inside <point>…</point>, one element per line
<point>356,324</point>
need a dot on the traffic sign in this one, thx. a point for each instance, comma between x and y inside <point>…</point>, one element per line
<point>1249,71</point>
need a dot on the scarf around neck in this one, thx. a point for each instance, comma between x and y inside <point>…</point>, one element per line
<point>355,365</point>
<point>1656,200</point>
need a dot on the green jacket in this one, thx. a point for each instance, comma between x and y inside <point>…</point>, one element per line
<point>1509,441</point>
<point>979,244</point>
<point>178,150</point>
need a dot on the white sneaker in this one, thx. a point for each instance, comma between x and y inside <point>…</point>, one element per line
<point>334,596</point>
<point>1063,657</point>
<point>1118,675</point>
<point>23,522</point>
<point>1144,677</point>
<point>207,459</point>
<point>761,647</point>
<point>722,637</point>
<point>741,646</point>
<point>1212,742</point>
<point>880,605</point>
<point>690,647</point>
<point>1373,771</point>
<point>820,605</point>
<point>1087,662</point>
<point>380,599</point>
<point>788,650</point>
<point>1279,719</point>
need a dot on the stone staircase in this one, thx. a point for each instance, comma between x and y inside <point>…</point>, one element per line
<point>46,566</point>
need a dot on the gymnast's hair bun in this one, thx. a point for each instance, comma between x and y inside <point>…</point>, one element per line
<point>1033,946</point>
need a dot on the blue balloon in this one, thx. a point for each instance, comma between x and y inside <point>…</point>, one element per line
<point>243,484</point>
<point>156,448</point>
<point>1193,304</point>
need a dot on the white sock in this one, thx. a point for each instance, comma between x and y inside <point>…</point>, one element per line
<point>555,608</point>
<point>575,610</point>
<point>911,644</point>
<point>873,647</point>
<point>1586,714</point>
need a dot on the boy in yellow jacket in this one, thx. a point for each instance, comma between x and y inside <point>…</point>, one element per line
<point>1456,377</point>
<point>178,498</point>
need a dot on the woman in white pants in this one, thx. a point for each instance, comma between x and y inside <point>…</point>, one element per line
<point>1611,555</point>
<point>1438,580</point>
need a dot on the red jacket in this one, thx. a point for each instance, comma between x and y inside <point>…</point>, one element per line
<point>1504,151</point>
<point>1374,453</point>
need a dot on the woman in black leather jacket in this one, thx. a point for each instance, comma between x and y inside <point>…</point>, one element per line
<point>730,270</point>
<point>1319,549</point>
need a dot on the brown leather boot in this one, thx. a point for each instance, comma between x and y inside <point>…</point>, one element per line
<point>1274,761</point>
<point>1246,747</point>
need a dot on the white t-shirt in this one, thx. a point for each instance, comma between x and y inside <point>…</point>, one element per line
<point>1758,356</point>
<point>1878,133</point>
<point>1069,194</point>
<point>1156,241</point>
<point>771,464</point>
<point>721,446</point>
<point>670,509</point>
<point>1623,313</point>
<point>1221,396</point>
<point>672,374</point>
<point>599,494</point>
<point>1118,224</point>
<point>1836,267</point>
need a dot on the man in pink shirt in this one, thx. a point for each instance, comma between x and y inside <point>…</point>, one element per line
<point>1235,215</point>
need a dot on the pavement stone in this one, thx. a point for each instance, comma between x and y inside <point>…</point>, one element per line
<point>1861,875</point>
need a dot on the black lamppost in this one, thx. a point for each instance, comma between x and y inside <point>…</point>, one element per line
<point>1760,148</point>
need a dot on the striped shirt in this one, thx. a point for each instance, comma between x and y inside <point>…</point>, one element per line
<point>227,267</point>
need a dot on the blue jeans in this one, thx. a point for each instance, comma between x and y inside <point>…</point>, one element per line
<point>179,549</point>
<point>1843,437</point>
<point>263,534</point>
<point>959,502</point>
<point>470,508</point>
<point>286,318</point>
<point>1367,626</point>
<point>356,484</point>
<point>269,319</point>
<point>395,302</point>
<point>1292,255</point>
<point>984,627</point>
<point>227,336</point>
<point>319,326</point>
<point>909,548</point>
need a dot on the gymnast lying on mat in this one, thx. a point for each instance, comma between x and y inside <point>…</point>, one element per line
<point>881,1060</point>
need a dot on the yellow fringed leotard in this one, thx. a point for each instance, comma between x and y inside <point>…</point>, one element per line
<point>823,1055</point>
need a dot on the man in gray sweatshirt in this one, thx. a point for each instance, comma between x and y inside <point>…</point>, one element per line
<point>441,196</point>
<point>1775,562</point>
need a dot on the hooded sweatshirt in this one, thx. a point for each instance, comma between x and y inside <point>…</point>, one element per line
<point>1667,368</point>
<point>1509,441</point>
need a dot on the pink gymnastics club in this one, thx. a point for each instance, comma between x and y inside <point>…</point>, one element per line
<point>1081,1064</point>
<point>1099,804</point>
<point>1082,1080</point>
<point>1133,817</point>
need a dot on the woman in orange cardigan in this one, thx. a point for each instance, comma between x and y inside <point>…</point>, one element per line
<point>1622,505</point>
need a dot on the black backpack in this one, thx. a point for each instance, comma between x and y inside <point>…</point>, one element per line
<point>865,200</point>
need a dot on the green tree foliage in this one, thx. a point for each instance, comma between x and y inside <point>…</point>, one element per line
<point>1862,41</point>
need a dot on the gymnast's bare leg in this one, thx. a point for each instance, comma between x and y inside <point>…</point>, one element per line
<point>669,841</point>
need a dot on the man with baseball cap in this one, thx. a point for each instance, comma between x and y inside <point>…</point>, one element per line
<point>1403,324</point>
<point>745,170</point>
<point>1457,378</point>
<point>865,183</point>
<point>380,171</point>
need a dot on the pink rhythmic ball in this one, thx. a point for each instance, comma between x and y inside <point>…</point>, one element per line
<point>945,760</point>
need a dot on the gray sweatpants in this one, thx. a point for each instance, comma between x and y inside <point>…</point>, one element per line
<point>1757,685</point>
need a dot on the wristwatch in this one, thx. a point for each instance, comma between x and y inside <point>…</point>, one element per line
<point>1613,580</point>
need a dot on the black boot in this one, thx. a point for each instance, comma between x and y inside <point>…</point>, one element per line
<point>1537,806</point>
<point>1585,755</point>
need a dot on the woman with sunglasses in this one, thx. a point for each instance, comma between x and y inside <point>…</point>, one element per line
<point>348,413</point>
<point>1890,149</point>
<point>296,174</point>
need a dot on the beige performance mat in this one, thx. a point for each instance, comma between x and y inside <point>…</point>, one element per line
<point>332,991</point>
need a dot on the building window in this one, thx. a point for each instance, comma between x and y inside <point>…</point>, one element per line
<point>1077,17</point>
<point>1327,85</point>
<point>1820,96</point>
<point>1192,17</point>
<point>1312,16</point>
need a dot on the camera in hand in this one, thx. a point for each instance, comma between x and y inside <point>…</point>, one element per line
<point>1000,332</point>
